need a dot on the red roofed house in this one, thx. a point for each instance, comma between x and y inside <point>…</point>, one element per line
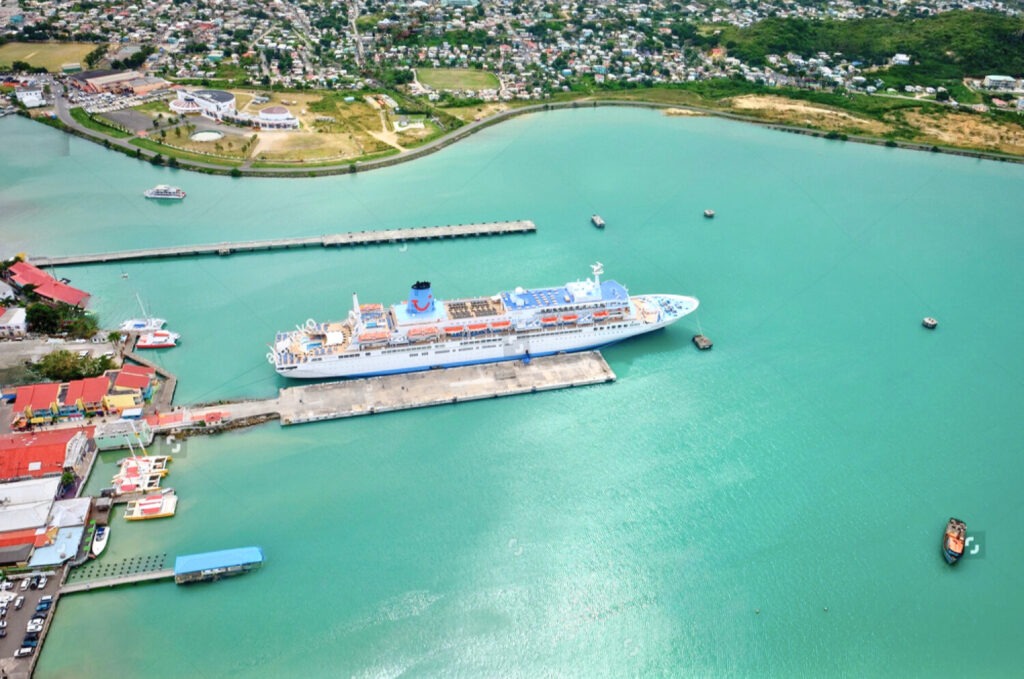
<point>134,378</point>
<point>37,403</point>
<point>40,454</point>
<point>46,286</point>
<point>85,397</point>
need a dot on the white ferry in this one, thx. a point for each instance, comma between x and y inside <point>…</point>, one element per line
<point>165,192</point>
<point>516,324</point>
<point>158,339</point>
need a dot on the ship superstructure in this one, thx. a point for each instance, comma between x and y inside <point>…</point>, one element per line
<point>425,333</point>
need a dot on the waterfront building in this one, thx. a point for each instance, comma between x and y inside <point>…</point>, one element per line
<point>122,433</point>
<point>216,565</point>
<point>21,274</point>
<point>117,404</point>
<point>133,378</point>
<point>41,454</point>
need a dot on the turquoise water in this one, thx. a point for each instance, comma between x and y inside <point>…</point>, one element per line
<point>695,518</point>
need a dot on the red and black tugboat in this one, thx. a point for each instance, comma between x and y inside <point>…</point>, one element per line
<point>953,541</point>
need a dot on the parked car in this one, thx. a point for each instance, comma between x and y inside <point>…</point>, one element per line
<point>24,651</point>
<point>32,627</point>
<point>24,584</point>
<point>43,607</point>
<point>18,603</point>
<point>46,599</point>
<point>42,582</point>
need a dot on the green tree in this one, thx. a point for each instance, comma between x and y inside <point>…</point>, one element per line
<point>42,318</point>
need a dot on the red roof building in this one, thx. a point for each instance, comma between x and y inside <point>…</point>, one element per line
<point>23,273</point>
<point>36,455</point>
<point>37,400</point>
<point>87,395</point>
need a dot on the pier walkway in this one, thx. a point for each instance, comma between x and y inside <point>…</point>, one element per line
<point>370,395</point>
<point>132,578</point>
<point>330,240</point>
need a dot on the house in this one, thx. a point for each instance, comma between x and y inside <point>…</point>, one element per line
<point>41,454</point>
<point>85,397</point>
<point>900,59</point>
<point>134,378</point>
<point>30,97</point>
<point>12,322</point>
<point>122,434</point>
<point>116,404</point>
<point>999,82</point>
<point>37,403</point>
<point>46,286</point>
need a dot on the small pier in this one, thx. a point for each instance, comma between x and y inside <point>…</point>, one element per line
<point>327,241</point>
<point>165,394</point>
<point>117,580</point>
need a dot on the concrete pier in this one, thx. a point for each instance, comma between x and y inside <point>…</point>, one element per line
<point>383,394</point>
<point>370,395</point>
<point>327,241</point>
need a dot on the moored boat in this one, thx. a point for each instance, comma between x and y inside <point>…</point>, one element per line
<point>99,540</point>
<point>709,213</point>
<point>953,540</point>
<point>145,324</point>
<point>426,333</point>
<point>597,221</point>
<point>164,192</point>
<point>153,506</point>
<point>158,339</point>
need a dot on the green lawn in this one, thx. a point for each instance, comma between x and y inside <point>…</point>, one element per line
<point>457,78</point>
<point>168,152</point>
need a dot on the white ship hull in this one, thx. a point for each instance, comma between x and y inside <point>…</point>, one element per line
<point>505,346</point>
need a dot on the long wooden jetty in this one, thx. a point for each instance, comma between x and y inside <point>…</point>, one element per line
<point>117,580</point>
<point>331,240</point>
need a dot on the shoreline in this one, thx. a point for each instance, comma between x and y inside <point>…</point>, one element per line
<point>69,126</point>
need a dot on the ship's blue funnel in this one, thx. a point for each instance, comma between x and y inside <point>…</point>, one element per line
<point>421,300</point>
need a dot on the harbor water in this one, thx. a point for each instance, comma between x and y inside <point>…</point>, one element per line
<point>772,507</point>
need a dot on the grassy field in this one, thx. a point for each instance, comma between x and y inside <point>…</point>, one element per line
<point>456,78</point>
<point>50,56</point>
<point>157,147</point>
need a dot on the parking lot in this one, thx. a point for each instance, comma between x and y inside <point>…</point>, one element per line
<point>19,600</point>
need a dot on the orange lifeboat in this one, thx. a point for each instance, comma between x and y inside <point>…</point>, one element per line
<point>570,318</point>
<point>374,337</point>
<point>501,325</point>
<point>455,330</point>
<point>600,315</point>
<point>549,320</point>
<point>477,327</point>
<point>420,333</point>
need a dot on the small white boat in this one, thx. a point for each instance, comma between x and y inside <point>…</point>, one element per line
<point>165,192</point>
<point>158,339</point>
<point>597,221</point>
<point>99,540</point>
<point>709,213</point>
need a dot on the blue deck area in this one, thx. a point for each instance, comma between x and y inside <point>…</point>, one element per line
<point>540,298</point>
<point>226,558</point>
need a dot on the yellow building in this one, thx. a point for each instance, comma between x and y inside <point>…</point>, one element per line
<point>117,403</point>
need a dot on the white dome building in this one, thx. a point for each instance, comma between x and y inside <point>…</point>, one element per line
<point>209,103</point>
<point>277,118</point>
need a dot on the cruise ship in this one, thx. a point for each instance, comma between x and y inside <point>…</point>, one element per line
<point>425,333</point>
<point>165,192</point>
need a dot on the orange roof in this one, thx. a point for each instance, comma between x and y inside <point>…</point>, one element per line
<point>33,454</point>
<point>94,389</point>
<point>37,396</point>
<point>23,273</point>
<point>25,536</point>
<point>129,380</point>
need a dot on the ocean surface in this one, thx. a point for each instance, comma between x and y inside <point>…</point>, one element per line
<point>773,507</point>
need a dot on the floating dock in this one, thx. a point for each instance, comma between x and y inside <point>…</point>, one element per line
<point>117,580</point>
<point>327,241</point>
<point>211,566</point>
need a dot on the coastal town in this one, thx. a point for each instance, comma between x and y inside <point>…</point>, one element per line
<point>223,88</point>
